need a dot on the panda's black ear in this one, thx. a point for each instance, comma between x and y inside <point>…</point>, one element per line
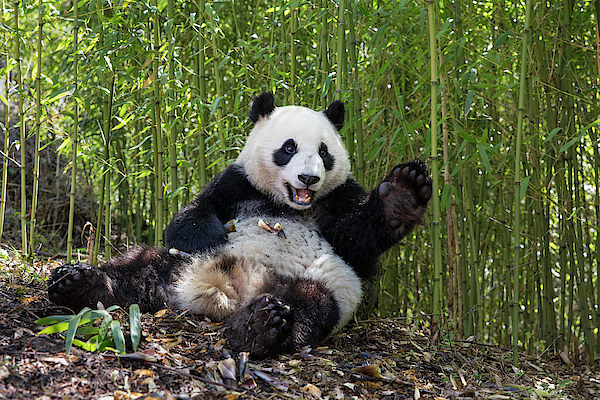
<point>262,105</point>
<point>335,113</point>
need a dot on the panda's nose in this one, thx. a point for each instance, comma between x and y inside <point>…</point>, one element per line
<point>308,179</point>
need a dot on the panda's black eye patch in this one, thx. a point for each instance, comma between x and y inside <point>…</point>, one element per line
<point>327,158</point>
<point>284,154</point>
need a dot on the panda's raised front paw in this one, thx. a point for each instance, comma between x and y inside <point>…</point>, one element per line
<point>404,195</point>
<point>261,327</point>
<point>77,286</point>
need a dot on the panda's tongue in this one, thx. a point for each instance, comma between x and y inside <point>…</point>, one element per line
<point>302,196</point>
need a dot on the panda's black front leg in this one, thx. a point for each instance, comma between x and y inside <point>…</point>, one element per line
<point>403,196</point>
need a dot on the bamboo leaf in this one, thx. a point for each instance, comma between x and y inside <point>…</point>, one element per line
<point>524,185</point>
<point>468,102</point>
<point>103,330</point>
<point>570,143</point>
<point>466,136</point>
<point>72,329</point>
<point>135,324</point>
<point>118,337</point>
<point>484,157</point>
<point>552,134</point>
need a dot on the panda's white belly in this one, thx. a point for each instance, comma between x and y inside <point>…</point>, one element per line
<point>217,284</point>
<point>289,256</point>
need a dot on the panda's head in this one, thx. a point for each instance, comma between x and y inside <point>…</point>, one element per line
<point>294,154</point>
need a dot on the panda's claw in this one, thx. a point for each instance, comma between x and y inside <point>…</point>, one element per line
<point>404,195</point>
<point>264,332</point>
<point>76,286</point>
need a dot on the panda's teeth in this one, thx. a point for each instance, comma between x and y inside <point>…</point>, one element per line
<point>305,199</point>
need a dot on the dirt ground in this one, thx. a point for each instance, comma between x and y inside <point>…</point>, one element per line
<point>183,357</point>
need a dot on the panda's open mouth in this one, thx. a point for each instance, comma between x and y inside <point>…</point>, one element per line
<point>302,197</point>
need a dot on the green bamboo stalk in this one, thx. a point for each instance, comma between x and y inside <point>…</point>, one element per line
<point>324,56</point>
<point>435,231</point>
<point>220,93</point>
<point>201,87</point>
<point>99,220</point>
<point>25,248</point>
<point>293,28</point>
<point>172,114</point>
<point>75,133</point>
<point>359,164</point>
<point>517,181</point>
<point>158,137</point>
<point>597,166</point>
<point>578,246</point>
<point>108,105</point>
<point>341,51</point>
<point>549,164</point>
<point>5,129</point>
<point>38,111</point>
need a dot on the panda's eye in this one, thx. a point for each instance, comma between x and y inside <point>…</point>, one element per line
<point>290,149</point>
<point>323,150</point>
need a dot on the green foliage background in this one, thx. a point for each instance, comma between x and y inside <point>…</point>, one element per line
<point>163,90</point>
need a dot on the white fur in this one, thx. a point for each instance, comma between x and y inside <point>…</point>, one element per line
<point>261,255</point>
<point>308,128</point>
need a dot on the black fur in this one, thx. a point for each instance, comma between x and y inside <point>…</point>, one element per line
<point>141,276</point>
<point>284,154</point>
<point>262,106</point>
<point>335,113</point>
<point>328,160</point>
<point>359,225</point>
<point>291,315</point>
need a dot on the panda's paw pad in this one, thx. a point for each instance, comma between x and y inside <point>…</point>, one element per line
<point>414,175</point>
<point>73,285</point>
<point>270,321</point>
<point>405,193</point>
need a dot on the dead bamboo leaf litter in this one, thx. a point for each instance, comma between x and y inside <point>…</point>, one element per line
<point>182,356</point>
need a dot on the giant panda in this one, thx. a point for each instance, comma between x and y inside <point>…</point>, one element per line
<point>276,246</point>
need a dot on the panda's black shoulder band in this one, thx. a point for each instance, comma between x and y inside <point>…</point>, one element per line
<point>335,113</point>
<point>262,105</point>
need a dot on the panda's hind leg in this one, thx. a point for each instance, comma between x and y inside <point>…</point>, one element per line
<point>141,276</point>
<point>79,285</point>
<point>261,327</point>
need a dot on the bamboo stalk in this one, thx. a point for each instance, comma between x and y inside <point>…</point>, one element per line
<point>21,114</point>
<point>597,165</point>
<point>172,116</point>
<point>517,181</point>
<point>5,128</point>
<point>341,52</point>
<point>435,231</point>
<point>220,93</point>
<point>75,139</point>
<point>201,87</point>
<point>293,56</point>
<point>158,148</point>
<point>38,111</point>
<point>359,164</point>
<point>324,56</point>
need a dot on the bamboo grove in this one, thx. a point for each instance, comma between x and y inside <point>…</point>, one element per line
<point>147,101</point>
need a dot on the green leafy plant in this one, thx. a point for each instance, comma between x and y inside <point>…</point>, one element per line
<point>107,336</point>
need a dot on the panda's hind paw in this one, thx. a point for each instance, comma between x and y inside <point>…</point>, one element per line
<point>77,286</point>
<point>261,327</point>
